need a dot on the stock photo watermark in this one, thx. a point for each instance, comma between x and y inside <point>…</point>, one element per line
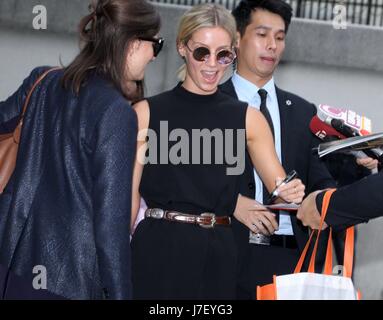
<point>339,21</point>
<point>40,20</point>
<point>340,16</point>
<point>39,281</point>
<point>229,147</point>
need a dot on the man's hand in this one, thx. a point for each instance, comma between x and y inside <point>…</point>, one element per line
<point>308,212</point>
<point>255,216</point>
<point>368,163</point>
<point>294,191</point>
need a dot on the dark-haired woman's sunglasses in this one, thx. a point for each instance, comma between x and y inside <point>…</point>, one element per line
<point>157,44</point>
<point>224,57</point>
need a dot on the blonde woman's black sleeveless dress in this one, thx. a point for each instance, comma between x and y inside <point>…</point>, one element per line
<point>174,260</point>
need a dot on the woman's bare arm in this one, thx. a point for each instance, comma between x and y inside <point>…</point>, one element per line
<point>143,115</point>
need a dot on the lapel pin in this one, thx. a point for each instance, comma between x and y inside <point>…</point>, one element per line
<point>288,102</point>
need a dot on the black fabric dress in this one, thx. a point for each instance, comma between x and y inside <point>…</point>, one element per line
<point>173,260</point>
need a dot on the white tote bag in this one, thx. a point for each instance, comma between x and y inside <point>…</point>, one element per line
<point>314,286</point>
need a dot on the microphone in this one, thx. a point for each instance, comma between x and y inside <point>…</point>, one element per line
<point>339,126</point>
<point>327,134</point>
<point>347,124</point>
<point>324,131</point>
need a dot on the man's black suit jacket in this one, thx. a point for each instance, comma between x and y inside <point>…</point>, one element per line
<point>355,203</point>
<point>296,145</point>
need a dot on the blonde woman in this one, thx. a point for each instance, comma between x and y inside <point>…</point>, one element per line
<point>184,248</point>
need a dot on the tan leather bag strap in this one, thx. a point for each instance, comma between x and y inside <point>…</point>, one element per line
<point>17,132</point>
<point>33,88</point>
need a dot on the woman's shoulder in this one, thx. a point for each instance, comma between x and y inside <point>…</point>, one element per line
<point>141,107</point>
<point>159,103</point>
<point>232,106</point>
<point>37,74</point>
<point>100,94</point>
<point>100,99</point>
<point>232,101</point>
<point>159,97</point>
<point>38,71</point>
<point>143,114</point>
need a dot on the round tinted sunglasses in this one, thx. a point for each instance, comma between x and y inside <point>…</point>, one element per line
<point>224,57</point>
<point>157,44</point>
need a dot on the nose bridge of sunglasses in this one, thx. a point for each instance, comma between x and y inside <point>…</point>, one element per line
<point>210,58</point>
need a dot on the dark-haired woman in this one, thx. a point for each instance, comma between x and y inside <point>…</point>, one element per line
<point>66,209</point>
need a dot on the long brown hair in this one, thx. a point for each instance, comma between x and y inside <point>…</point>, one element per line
<point>105,36</point>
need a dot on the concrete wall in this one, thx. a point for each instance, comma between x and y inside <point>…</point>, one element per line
<point>324,65</point>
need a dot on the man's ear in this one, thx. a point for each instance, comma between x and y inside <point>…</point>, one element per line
<point>237,43</point>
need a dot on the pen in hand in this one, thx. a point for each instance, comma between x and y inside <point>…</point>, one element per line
<point>274,194</point>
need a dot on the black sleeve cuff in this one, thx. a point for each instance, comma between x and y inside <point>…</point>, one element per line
<point>319,201</point>
<point>329,218</point>
<point>337,223</point>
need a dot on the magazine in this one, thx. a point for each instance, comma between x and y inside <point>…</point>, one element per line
<point>351,144</point>
<point>283,206</point>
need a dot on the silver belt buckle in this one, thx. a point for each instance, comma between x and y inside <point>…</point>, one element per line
<point>259,238</point>
<point>213,220</point>
<point>155,213</point>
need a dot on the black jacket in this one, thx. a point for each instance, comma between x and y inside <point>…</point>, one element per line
<point>296,146</point>
<point>67,205</point>
<point>355,203</point>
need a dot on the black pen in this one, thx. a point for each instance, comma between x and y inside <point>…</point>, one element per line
<point>274,194</point>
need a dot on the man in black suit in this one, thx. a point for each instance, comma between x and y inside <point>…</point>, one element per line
<point>349,205</point>
<point>262,26</point>
<point>346,169</point>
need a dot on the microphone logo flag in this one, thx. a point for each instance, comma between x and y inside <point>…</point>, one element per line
<point>361,125</point>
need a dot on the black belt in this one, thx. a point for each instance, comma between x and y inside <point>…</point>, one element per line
<point>283,241</point>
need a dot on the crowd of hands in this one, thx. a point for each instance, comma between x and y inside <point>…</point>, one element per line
<point>260,220</point>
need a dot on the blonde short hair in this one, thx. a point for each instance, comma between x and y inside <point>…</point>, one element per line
<point>204,16</point>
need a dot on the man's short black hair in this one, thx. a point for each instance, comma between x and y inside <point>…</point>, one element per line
<point>242,13</point>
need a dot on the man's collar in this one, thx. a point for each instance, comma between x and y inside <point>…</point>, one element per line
<point>249,89</point>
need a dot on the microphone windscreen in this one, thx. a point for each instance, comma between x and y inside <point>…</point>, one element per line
<point>340,127</point>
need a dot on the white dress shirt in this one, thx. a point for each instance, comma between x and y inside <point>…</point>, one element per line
<point>248,92</point>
